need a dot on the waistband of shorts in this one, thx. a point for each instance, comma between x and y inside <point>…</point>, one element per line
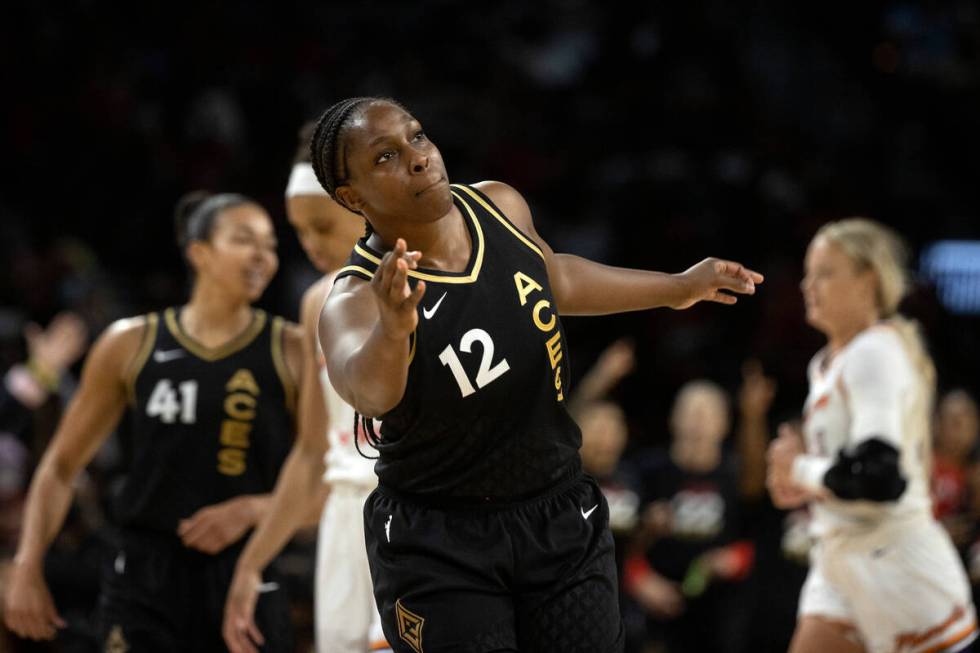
<point>486,503</point>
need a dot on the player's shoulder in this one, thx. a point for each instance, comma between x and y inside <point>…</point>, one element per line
<point>122,340</point>
<point>508,199</point>
<point>880,340</point>
<point>315,296</point>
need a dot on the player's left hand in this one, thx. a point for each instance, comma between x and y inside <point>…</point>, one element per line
<point>238,628</point>
<point>709,279</point>
<point>213,528</point>
<point>782,452</point>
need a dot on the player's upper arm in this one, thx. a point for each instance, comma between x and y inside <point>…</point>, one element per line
<point>876,378</point>
<point>98,404</point>
<point>516,208</point>
<point>346,321</point>
<point>312,417</point>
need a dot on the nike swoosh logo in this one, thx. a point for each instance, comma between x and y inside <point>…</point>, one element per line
<point>429,312</point>
<point>587,514</point>
<point>164,356</point>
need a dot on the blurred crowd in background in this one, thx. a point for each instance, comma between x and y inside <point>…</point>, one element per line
<point>646,135</point>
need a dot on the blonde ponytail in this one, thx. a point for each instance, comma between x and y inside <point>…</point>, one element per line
<point>874,246</point>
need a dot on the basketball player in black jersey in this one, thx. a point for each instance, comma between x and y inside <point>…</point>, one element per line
<point>207,390</point>
<point>483,535</point>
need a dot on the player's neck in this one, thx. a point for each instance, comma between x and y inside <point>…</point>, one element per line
<point>842,334</point>
<point>212,318</point>
<point>445,243</point>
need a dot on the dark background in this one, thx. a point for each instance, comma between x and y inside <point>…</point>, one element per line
<point>646,136</point>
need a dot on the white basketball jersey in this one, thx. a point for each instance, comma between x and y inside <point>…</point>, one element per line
<point>344,463</point>
<point>869,389</point>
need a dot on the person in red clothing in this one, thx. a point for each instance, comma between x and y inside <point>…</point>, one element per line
<point>957,426</point>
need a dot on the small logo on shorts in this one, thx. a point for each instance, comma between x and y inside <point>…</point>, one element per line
<point>409,626</point>
<point>388,529</point>
<point>116,643</point>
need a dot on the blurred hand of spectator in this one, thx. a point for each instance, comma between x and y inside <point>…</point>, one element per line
<point>28,609</point>
<point>659,596</point>
<point>618,360</point>
<point>757,391</point>
<point>213,528</point>
<point>53,350</point>
<point>786,494</point>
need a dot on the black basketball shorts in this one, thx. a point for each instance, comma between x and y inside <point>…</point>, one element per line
<point>537,576</point>
<point>157,595</point>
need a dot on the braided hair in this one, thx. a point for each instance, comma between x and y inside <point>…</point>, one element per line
<point>327,146</point>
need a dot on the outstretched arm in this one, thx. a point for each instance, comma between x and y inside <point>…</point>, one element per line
<point>584,287</point>
<point>90,417</point>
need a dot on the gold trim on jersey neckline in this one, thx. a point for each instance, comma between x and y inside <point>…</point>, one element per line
<point>501,219</point>
<point>474,265</point>
<point>211,354</point>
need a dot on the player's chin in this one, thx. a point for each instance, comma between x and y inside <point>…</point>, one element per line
<point>437,200</point>
<point>816,319</point>
<point>253,293</point>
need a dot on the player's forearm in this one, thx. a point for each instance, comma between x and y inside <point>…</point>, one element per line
<point>584,287</point>
<point>48,501</point>
<point>286,510</point>
<point>377,373</point>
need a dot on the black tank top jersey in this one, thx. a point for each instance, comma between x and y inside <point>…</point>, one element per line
<point>483,415</point>
<point>206,424</point>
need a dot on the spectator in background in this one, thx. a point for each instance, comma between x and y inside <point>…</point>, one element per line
<point>686,558</point>
<point>956,476</point>
<point>27,386</point>
<point>781,539</point>
<point>954,465</point>
<point>605,434</point>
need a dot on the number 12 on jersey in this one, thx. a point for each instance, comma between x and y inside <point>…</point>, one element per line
<point>487,373</point>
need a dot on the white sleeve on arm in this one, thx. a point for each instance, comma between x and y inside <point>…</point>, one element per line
<point>875,377</point>
<point>809,470</point>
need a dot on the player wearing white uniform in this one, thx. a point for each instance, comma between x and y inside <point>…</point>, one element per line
<point>885,576</point>
<point>346,616</point>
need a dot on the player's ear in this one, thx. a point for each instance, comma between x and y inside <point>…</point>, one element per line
<point>197,254</point>
<point>349,198</point>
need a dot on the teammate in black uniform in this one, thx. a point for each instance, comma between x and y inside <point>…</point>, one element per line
<point>207,389</point>
<point>483,534</point>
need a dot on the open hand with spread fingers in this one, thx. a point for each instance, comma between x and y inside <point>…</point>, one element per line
<point>397,301</point>
<point>711,278</point>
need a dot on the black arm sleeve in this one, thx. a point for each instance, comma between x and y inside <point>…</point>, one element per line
<point>868,473</point>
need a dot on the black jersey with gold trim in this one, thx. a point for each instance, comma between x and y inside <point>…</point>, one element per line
<point>483,414</point>
<point>205,424</point>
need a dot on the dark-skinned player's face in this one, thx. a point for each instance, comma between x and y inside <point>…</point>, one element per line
<point>393,169</point>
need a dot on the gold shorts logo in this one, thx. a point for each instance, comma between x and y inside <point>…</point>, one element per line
<point>409,626</point>
<point>116,643</point>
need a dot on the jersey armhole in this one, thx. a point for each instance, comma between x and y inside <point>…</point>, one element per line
<point>491,208</point>
<point>279,360</point>
<point>142,355</point>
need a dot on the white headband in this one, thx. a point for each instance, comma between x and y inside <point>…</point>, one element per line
<point>303,181</point>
